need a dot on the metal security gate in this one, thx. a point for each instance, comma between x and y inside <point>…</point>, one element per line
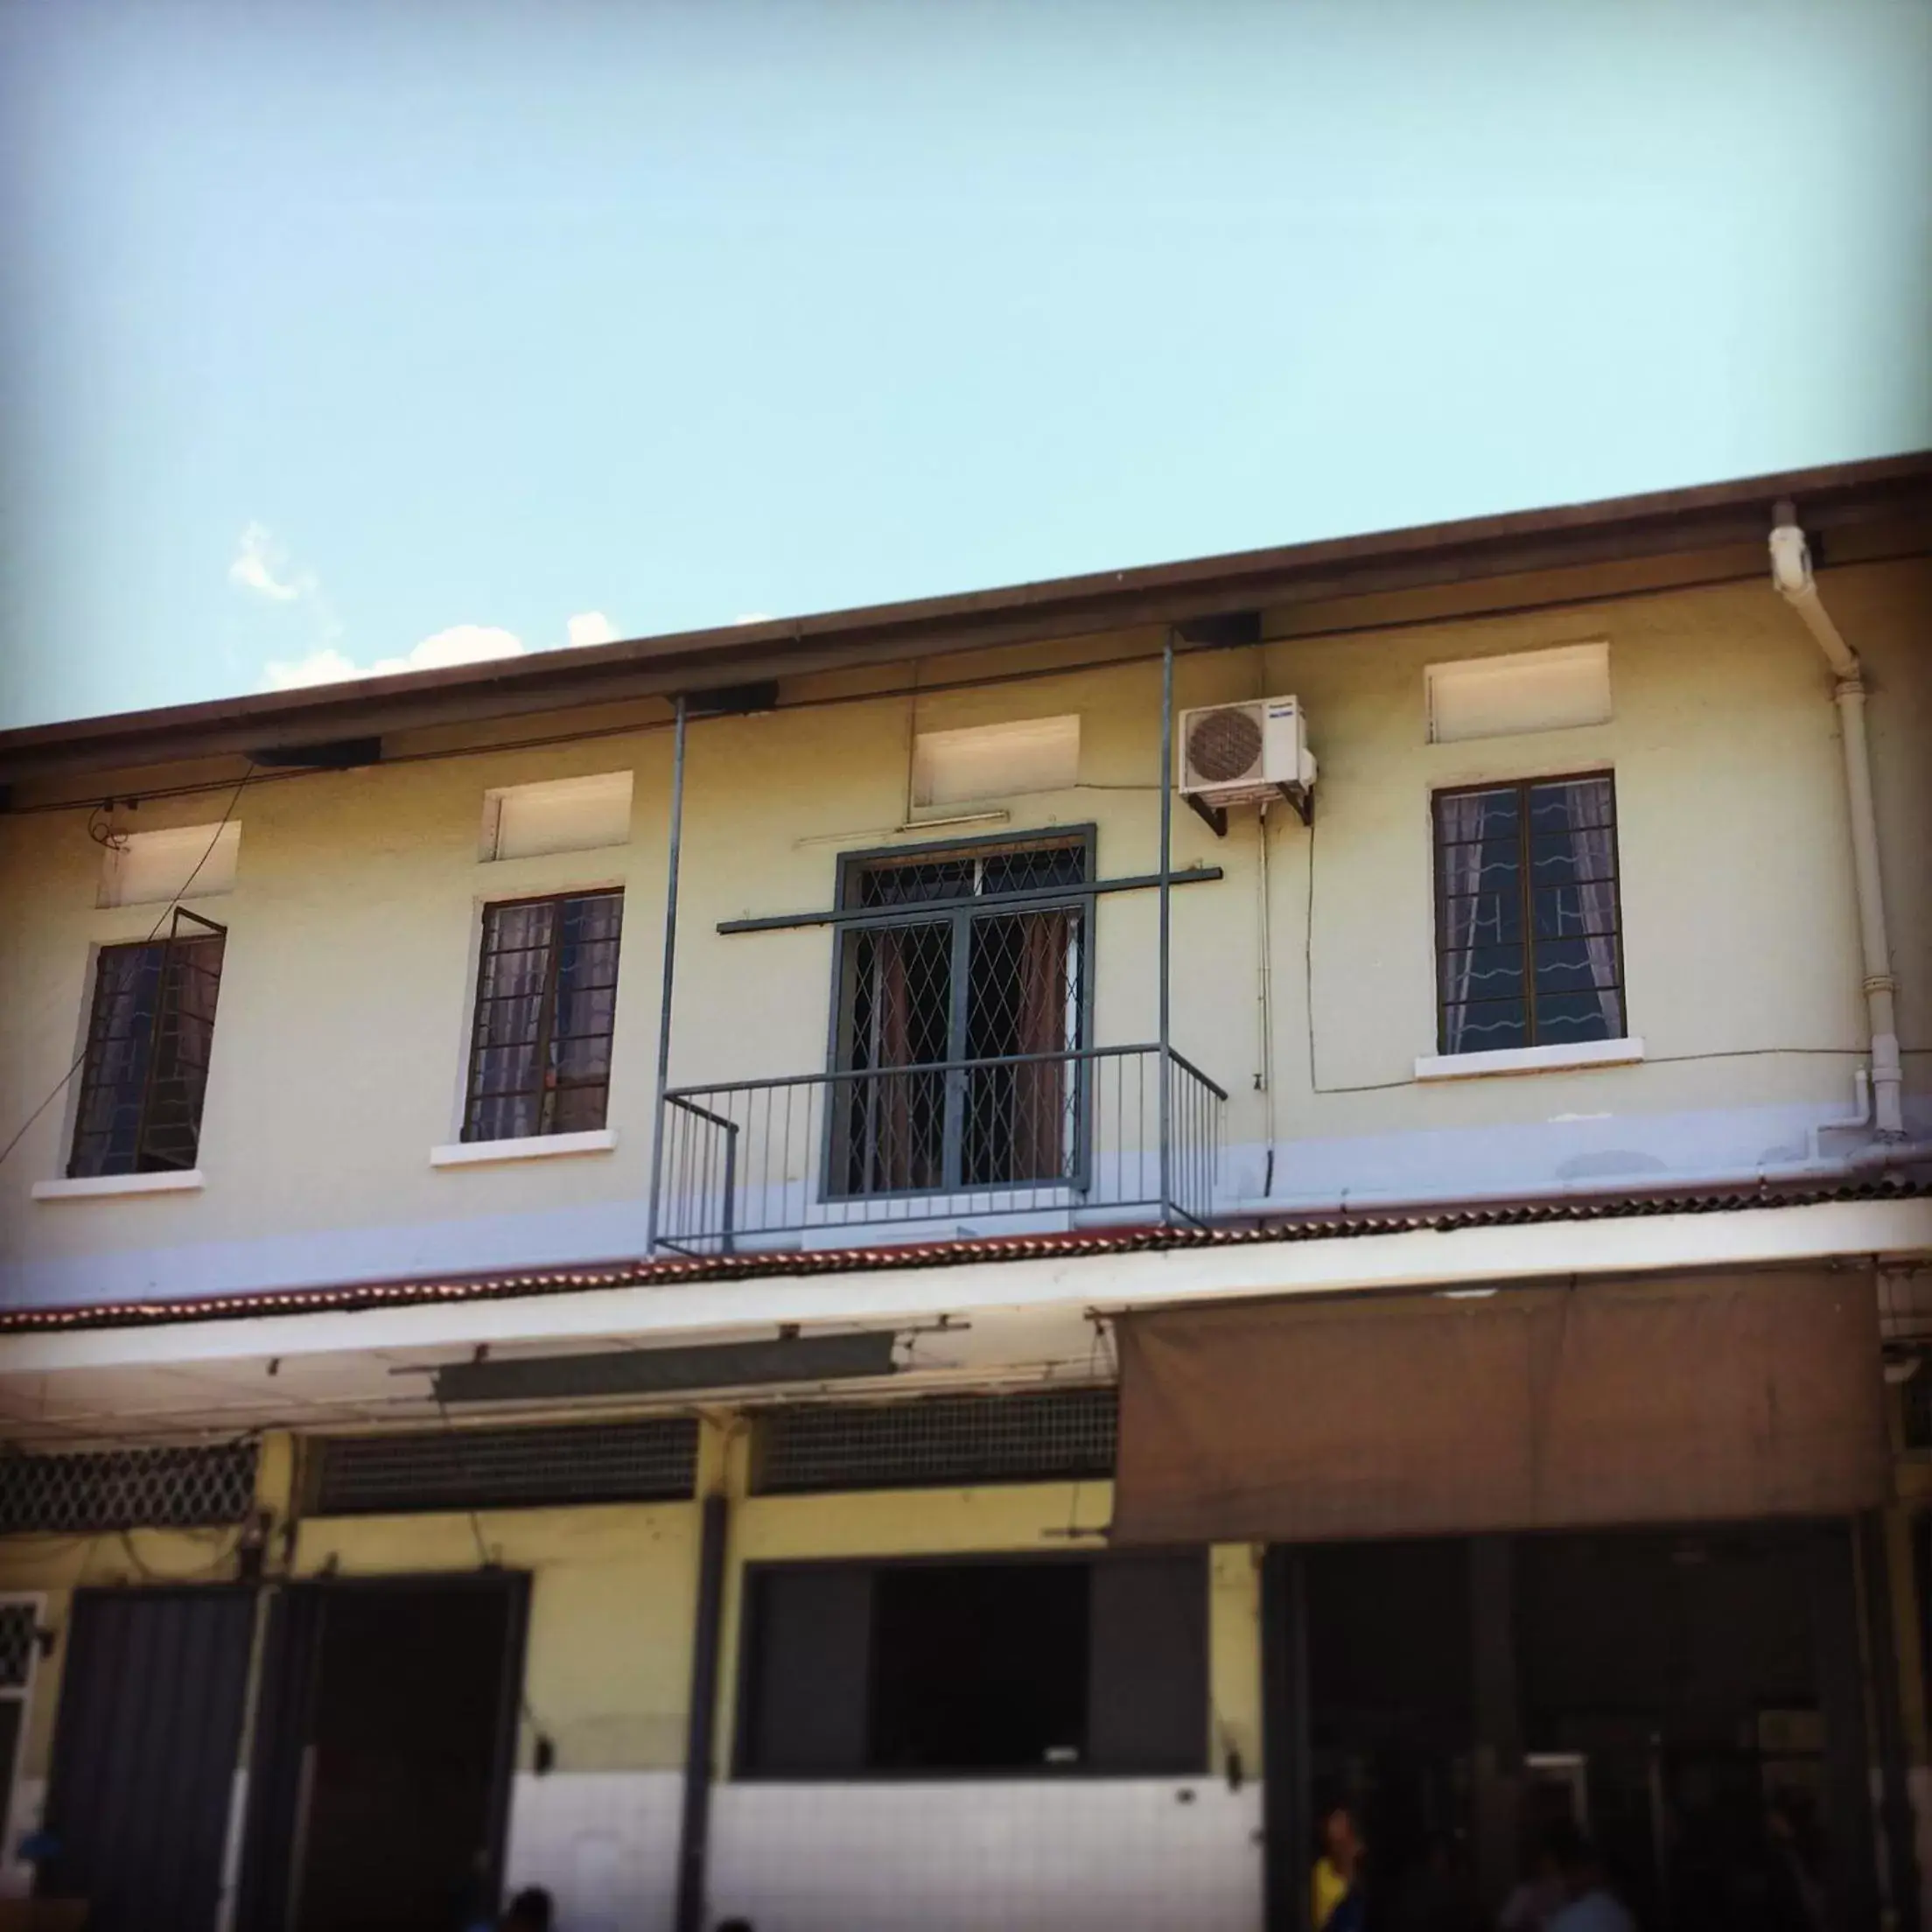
<point>144,1753</point>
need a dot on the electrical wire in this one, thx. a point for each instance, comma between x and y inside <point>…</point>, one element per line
<point>61,1086</point>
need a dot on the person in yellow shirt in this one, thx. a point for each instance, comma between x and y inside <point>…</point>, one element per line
<point>1336,1880</point>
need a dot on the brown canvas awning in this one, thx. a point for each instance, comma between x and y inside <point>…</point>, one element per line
<point>1684,1401</point>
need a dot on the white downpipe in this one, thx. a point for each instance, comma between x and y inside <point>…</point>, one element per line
<point>1792,576</point>
<point>1265,995</point>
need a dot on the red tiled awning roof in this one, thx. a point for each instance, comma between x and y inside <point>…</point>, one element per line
<point>351,1296</point>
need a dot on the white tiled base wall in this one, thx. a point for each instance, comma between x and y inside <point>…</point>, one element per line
<point>1096,1856</point>
<point>604,1844</point>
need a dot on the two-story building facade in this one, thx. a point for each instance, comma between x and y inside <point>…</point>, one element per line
<point>959,1262</point>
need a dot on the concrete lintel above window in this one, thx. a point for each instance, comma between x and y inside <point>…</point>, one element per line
<point>1566,1056</point>
<point>478,1153</point>
<point>174,1180</point>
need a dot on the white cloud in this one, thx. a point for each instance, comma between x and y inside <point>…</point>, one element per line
<point>754,617</point>
<point>461,644</point>
<point>261,564</point>
<point>327,666</point>
<point>591,627</point>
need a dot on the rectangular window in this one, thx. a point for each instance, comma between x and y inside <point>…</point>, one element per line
<point>985,1666</point>
<point>561,814</point>
<point>146,1070</point>
<point>183,862</point>
<point>1546,690</point>
<point>1035,755</point>
<point>1529,950</point>
<point>546,999</point>
<point>961,1018</point>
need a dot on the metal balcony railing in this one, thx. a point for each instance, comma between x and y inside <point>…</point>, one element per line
<point>889,1150</point>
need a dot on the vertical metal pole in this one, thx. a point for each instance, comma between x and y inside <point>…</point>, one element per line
<point>670,965</point>
<point>1166,913</point>
<point>1901,1869</point>
<point>694,1835</point>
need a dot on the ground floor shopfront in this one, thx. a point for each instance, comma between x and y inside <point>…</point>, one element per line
<point>958,1668</point>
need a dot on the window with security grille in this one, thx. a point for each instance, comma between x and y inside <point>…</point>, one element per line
<point>546,1000</point>
<point>127,1488</point>
<point>959,1023</point>
<point>1528,944</point>
<point>144,1074</point>
<point>937,1442</point>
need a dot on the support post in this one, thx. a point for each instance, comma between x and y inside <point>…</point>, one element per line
<point>1499,1744</point>
<point>695,1825</point>
<point>670,967</point>
<point>1166,919</point>
<point>1287,1822</point>
<point>1896,1820</point>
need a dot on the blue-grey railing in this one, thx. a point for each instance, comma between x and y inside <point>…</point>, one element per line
<point>897,1152</point>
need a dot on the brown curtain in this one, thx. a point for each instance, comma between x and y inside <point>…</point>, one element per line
<point>1751,1396</point>
<point>891,1163</point>
<point>1041,1088</point>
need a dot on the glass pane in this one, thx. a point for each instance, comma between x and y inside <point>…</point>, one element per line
<point>1571,804</point>
<point>915,882</point>
<point>1022,997</point>
<point>1578,1017</point>
<point>1484,1026</point>
<point>1042,868</point>
<point>120,1043</point>
<point>1487,972</point>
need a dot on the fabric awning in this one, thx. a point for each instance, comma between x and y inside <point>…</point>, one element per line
<point>1705,1400</point>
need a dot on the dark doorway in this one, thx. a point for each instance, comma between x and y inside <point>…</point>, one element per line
<point>144,1754</point>
<point>1693,1700</point>
<point>384,1752</point>
<point>1390,1722</point>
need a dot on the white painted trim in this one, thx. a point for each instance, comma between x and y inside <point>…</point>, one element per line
<point>1409,1257</point>
<point>1562,1058</point>
<point>478,1153</point>
<point>174,1180</point>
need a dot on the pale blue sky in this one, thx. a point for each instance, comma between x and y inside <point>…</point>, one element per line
<point>337,328</point>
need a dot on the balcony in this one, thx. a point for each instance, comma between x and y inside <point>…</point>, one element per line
<point>901,1154</point>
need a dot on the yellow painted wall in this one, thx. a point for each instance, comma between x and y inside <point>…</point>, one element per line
<point>612,1594</point>
<point>613,1589</point>
<point>345,1007</point>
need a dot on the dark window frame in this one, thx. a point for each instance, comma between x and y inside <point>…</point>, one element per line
<point>175,955</point>
<point>854,922</point>
<point>744,1769</point>
<point>547,1088</point>
<point>1526,888</point>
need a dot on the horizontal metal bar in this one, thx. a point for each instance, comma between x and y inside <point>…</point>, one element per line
<point>992,902</point>
<point>677,1099</point>
<point>669,1370</point>
<point>1187,1066</point>
<point>684,1096</point>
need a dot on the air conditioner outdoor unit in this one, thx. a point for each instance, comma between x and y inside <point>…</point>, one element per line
<point>1244,754</point>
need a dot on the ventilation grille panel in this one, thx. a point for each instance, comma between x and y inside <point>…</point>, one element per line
<point>653,1460</point>
<point>127,1489</point>
<point>937,1442</point>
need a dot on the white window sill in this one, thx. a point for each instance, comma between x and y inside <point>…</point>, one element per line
<point>174,1180</point>
<point>478,1153</point>
<point>1530,1060</point>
